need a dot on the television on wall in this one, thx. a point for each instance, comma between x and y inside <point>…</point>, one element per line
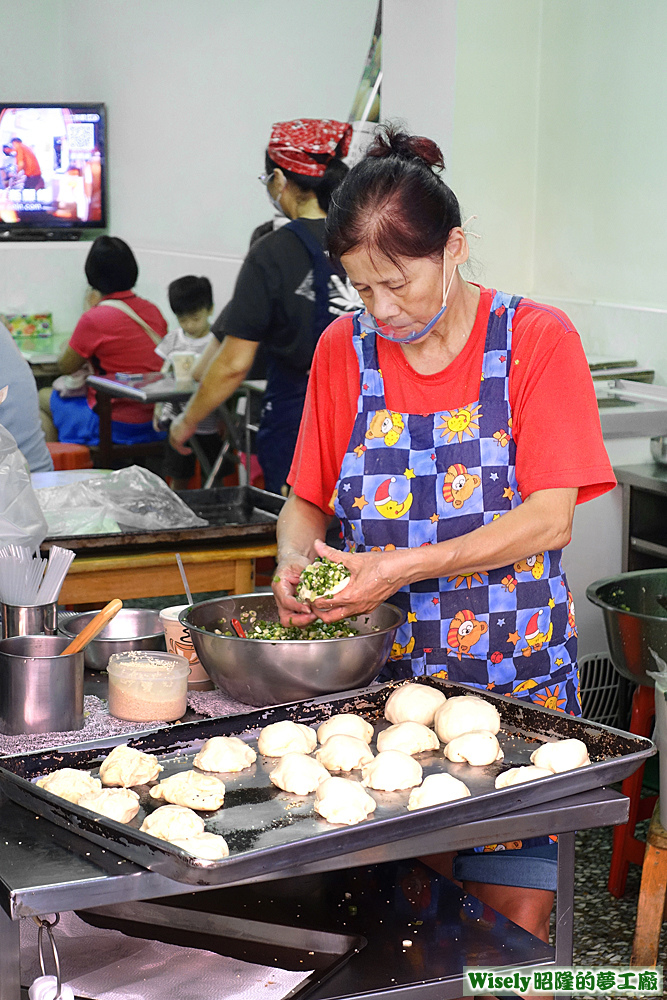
<point>52,170</point>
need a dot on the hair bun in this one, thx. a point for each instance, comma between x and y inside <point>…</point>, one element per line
<point>390,141</point>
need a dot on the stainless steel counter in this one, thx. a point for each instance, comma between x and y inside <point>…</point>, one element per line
<point>39,876</point>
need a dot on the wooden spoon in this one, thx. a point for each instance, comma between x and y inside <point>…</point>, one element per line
<point>93,627</point>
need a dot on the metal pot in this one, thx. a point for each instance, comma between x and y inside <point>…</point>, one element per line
<point>132,628</point>
<point>634,606</point>
<point>40,691</point>
<point>261,672</point>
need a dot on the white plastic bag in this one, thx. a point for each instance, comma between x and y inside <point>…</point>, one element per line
<point>21,520</point>
<point>129,499</point>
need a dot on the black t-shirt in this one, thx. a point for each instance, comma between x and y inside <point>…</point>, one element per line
<point>274,297</point>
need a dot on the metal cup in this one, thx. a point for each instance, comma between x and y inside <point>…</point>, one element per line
<point>40,691</point>
<point>21,620</point>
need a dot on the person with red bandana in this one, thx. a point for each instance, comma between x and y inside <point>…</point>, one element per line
<point>453,429</point>
<point>285,295</point>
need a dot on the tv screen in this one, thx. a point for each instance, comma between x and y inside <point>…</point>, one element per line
<point>52,168</point>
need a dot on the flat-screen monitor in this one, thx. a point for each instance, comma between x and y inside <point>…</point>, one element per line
<point>52,169</point>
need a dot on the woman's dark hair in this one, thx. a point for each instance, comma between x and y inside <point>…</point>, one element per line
<point>111,266</point>
<point>189,294</point>
<point>322,187</point>
<point>393,203</point>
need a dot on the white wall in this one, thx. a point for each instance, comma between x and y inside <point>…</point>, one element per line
<point>560,148</point>
<point>191,90</point>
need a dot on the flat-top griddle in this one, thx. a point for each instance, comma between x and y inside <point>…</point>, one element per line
<point>268,830</point>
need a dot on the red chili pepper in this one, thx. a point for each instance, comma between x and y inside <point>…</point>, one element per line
<point>238,628</point>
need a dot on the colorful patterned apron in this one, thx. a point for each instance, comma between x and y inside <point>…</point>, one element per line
<point>409,480</point>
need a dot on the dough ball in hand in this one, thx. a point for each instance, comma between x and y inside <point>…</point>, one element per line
<point>463,715</point>
<point>344,753</point>
<point>562,756</point>
<point>409,737</point>
<point>517,775</point>
<point>341,800</point>
<point>413,703</point>
<point>391,771</point>
<point>126,766</point>
<point>476,748</point>
<point>280,738</point>
<point>207,846</point>
<point>191,789</point>
<point>121,804</point>
<point>345,725</point>
<point>69,783</point>
<point>225,753</point>
<point>173,822</point>
<point>436,789</point>
<point>298,773</point>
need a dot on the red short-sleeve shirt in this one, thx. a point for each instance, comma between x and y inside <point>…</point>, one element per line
<point>114,342</point>
<point>555,420</point>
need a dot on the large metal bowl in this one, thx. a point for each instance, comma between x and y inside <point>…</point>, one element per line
<point>634,606</point>
<point>132,628</point>
<point>260,672</point>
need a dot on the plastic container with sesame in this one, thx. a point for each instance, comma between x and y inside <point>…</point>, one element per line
<point>147,686</point>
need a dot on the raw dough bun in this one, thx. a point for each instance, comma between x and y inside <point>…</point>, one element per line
<point>298,773</point>
<point>173,822</point>
<point>477,748</point>
<point>307,594</point>
<point>286,737</point>
<point>69,783</point>
<point>345,725</point>
<point>562,756</point>
<point>191,789</point>
<point>413,703</point>
<point>465,714</point>
<point>410,737</point>
<point>126,766</point>
<point>121,804</point>
<point>391,771</point>
<point>517,775</point>
<point>341,800</point>
<point>344,753</point>
<point>225,753</point>
<point>436,789</point>
<point>207,846</point>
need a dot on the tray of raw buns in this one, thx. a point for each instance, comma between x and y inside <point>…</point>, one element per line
<point>226,800</point>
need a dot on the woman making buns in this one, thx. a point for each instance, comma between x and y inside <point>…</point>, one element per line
<point>285,294</point>
<point>452,429</point>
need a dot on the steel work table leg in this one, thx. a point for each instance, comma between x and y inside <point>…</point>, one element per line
<point>10,958</point>
<point>565,900</point>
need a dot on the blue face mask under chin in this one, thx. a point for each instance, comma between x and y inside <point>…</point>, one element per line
<point>368,322</point>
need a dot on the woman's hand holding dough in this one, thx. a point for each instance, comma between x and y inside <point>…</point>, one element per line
<point>375,577</point>
<point>284,584</point>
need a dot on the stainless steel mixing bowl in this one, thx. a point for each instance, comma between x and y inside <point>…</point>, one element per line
<point>634,606</point>
<point>132,628</point>
<point>261,672</point>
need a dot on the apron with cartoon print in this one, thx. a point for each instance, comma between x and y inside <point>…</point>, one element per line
<point>409,480</point>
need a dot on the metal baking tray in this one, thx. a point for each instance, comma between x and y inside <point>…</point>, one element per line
<point>234,513</point>
<point>259,942</point>
<point>268,830</point>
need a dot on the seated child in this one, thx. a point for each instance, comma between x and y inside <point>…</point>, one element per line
<point>191,300</point>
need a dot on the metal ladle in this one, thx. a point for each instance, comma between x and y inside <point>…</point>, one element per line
<point>93,628</point>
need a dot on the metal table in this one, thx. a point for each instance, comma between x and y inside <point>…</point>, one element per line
<point>157,388</point>
<point>39,876</point>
